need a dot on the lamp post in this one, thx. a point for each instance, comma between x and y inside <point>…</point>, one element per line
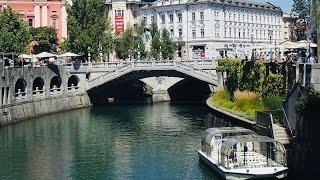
<point>270,32</point>
<point>177,51</point>
<point>160,53</point>
<point>89,55</point>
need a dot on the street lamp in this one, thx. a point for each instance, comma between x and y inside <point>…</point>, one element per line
<point>89,55</point>
<point>177,51</point>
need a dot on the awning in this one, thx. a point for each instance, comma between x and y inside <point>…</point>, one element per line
<point>68,54</point>
<point>45,55</point>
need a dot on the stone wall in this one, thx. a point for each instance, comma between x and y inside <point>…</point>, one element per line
<point>27,92</point>
<point>26,110</point>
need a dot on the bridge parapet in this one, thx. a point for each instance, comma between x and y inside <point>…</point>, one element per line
<point>112,66</point>
<point>202,70</point>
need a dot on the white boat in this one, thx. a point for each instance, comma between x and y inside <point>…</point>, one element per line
<point>239,153</point>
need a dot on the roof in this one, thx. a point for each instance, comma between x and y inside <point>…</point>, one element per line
<point>211,132</point>
<point>260,4</point>
<point>231,141</point>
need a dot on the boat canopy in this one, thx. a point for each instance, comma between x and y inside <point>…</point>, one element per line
<point>231,141</point>
<point>209,134</point>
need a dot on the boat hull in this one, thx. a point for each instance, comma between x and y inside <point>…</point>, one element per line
<point>236,175</point>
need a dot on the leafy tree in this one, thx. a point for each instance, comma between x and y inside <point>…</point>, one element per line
<point>155,46</point>
<point>128,43</point>
<point>302,9</point>
<point>45,39</point>
<point>14,32</point>
<point>167,46</point>
<point>88,26</point>
<point>155,41</point>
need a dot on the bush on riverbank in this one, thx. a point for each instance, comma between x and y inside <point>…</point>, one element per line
<point>246,103</point>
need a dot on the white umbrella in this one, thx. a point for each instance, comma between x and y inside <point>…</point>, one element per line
<point>25,56</point>
<point>68,54</point>
<point>45,55</point>
<point>305,44</point>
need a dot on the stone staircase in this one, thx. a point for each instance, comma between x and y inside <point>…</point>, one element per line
<point>280,134</point>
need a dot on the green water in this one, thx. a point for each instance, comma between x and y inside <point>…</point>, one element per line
<point>113,142</point>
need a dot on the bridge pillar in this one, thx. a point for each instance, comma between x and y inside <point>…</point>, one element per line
<point>160,96</point>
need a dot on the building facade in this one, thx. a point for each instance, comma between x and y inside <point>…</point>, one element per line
<point>206,29</point>
<point>123,13</point>
<point>39,13</point>
<point>315,22</point>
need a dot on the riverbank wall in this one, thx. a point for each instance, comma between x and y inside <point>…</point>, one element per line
<point>28,92</point>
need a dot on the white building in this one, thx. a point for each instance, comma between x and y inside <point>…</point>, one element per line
<point>208,28</point>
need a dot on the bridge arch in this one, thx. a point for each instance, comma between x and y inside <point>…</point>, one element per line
<point>55,82</point>
<point>73,81</point>
<point>20,86</point>
<point>37,82</point>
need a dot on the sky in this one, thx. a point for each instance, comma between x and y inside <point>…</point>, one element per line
<point>285,5</point>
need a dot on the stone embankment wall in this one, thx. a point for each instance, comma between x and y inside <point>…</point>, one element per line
<point>27,92</point>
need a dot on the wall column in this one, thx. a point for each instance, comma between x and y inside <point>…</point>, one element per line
<point>44,18</point>
<point>64,30</point>
<point>36,15</point>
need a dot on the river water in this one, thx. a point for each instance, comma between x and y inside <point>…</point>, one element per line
<point>156,141</point>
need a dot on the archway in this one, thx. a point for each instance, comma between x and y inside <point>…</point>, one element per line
<point>37,82</point>
<point>55,82</point>
<point>73,81</point>
<point>20,86</point>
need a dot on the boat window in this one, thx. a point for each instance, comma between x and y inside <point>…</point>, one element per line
<point>217,137</point>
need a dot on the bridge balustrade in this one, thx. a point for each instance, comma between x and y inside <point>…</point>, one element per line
<point>38,94</point>
<point>73,89</point>
<point>20,96</point>
<point>55,91</point>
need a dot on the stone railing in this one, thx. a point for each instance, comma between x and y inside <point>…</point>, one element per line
<point>38,93</point>
<point>20,96</point>
<point>55,91</point>
<point>112,66</point>
<point>190,68</point>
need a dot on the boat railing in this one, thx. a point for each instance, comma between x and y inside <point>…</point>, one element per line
<point>250,159</point>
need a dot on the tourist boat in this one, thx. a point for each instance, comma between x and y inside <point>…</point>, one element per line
<point>239,153</point>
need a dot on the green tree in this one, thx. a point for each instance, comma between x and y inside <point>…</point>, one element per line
<point>155,41</point>
<point>45,39</point>
<point>88,26</point>
<point>14,32</point>
<point>128,43</point>
<point>167,46</point>
<point>302,9</point>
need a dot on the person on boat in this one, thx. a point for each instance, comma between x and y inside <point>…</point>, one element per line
<point>231,155</point>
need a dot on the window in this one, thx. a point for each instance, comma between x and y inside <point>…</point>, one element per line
<point>239,33</point>
<point>216,32</point>
<point>180,32</point>
<point>30,22</point>
<point>193,16</point>
<point>54,23</point>
<point>135,14</point>
<point>171,18</point>
<point>201,16</point>
<point>179,17</point>
<point>171,32</point>
<point>229,16</point>
<point>118,12</point>
<point>216,15</point>
<point>225,32</point>
<point>235,32</point>
<point>144,20</point>
<point>230,32</point>
<point>202,32</point>
<point>194,33</point>
<point>163,19</point>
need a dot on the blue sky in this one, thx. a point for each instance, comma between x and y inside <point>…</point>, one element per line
<point>286,5</point>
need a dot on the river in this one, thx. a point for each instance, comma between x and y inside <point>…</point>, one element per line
<point>146,141</point>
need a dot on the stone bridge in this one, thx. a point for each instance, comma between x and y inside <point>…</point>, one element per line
<point>171,72</point>
<point>203,70</point>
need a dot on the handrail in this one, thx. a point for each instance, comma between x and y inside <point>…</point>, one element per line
<point>285,115</point>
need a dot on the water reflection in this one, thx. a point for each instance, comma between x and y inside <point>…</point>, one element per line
<point>122,142</point>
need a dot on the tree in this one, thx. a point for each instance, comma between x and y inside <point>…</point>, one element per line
<point>88,26</point>
<point>14,32</point>
<point>155,41</point>
<point>302,9</point>
<point>167,46</point>
<point>128,43</point>
<point>45,39</point>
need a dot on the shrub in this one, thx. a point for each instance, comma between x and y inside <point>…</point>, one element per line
<point>273,102</point>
